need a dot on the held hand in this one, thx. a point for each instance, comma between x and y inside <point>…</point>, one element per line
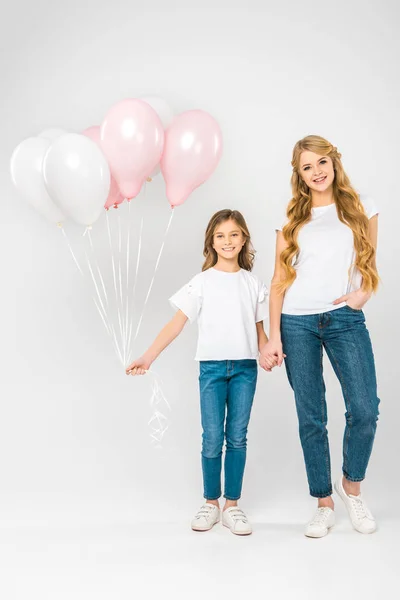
<point>139,366</point>
<point>267,363</point>
<point>273,353</point>
<point>355,299</point>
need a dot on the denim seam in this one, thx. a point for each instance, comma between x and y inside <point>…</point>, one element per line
<point>346,397</point>
<point>321,494</point>
<point>355,479</point>
<point>324,418</point>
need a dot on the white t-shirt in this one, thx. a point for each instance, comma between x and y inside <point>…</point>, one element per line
<point>227,307</point>
<point>322,266</point>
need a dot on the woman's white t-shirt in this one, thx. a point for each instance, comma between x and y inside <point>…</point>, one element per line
<point>227,307</point>
<point>323,263</point>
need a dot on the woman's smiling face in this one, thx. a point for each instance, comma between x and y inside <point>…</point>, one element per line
<point>316,171</point>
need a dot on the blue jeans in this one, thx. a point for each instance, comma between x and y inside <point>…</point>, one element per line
<point>343,334</point>
<point>227,387</point>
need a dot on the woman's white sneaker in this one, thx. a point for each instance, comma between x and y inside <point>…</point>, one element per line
<point>235,519</point>
<point>321,523</point>
<point>360,515</point>
<point>206,518</point>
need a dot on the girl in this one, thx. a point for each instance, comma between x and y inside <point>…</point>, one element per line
<point>229,303</point>
<point>324,274</point>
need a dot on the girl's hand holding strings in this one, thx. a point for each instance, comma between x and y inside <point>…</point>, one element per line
<point>139,366</point>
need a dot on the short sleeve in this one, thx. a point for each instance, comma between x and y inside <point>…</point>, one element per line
<point>370,206</point>
<point>262,308</point>
<point>188,299</point>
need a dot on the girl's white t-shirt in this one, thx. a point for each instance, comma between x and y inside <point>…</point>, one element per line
<point>227,307</point>
<point>323,263</point>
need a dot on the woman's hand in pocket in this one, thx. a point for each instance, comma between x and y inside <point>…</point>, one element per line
<point>355,300</point>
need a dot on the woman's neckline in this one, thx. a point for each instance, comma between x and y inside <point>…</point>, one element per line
<point>227,272</point>
<point>323,206</point>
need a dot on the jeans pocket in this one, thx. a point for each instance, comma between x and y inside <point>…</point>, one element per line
<point>356,310</point>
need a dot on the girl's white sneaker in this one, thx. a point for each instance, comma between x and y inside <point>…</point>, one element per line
<point>235,519</point>
<point>360,515</point>
<point>206,518</point>
<point>321,523</point>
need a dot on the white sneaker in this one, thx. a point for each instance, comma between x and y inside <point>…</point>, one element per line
<point>206,518</point>
<point>321,523</point>
<point>360,516</point>
<point>235,519</point>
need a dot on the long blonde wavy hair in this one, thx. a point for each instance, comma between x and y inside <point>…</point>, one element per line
<point>247,253</point>
<point>349,209</point>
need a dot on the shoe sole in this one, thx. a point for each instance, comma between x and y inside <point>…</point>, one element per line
<point>316,537</point>
<point>237,532</point>
<point>339,493</point>
<point>204,529</point>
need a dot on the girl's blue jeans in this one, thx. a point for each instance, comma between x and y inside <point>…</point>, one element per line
<point>227,389</point>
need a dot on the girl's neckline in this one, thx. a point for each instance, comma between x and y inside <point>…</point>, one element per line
<point>324,206</point>
<point>226,272</point>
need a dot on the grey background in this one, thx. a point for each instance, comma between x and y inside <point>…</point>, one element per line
<point>74,439</point>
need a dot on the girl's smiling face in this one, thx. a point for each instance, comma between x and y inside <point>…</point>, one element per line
<point>228,240</point>
<point>316,171</point>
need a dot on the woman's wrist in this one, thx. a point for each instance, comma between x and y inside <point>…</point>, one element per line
<point>274,336</point>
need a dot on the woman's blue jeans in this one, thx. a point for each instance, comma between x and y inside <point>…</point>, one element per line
<point>227,389</point>
<point>343,334</point>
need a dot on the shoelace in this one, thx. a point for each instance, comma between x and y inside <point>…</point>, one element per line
<point>360,508</point>
<point>320,517</point>
<point>238,515</point>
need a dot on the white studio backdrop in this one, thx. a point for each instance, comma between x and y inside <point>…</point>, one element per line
<point>74,434</point>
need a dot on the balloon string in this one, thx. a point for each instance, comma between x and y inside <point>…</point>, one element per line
<point>154,275</point>
<point>136,276</point>
<point>98,267</point>
<point>93,298</point>
<point>158,421</point>
<point>127,276</point>
<point>103,313</point>
<point>70,248</point>
<point>114,275</point>
<point>120,281</point>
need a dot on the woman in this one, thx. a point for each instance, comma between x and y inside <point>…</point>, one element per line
<point>325,272</point>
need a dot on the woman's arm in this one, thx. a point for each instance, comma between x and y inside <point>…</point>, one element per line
<point>164,338</point>
<point>273,349</point>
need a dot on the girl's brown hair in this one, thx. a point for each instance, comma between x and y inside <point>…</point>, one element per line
<point>247,253</point>
<point>349,208</point>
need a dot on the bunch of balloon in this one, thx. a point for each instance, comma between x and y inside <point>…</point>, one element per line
<point>83,176</point>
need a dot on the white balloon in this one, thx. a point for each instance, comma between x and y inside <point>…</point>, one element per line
<point>51,134</point>
<point>27,175</point>
<point>77,176</point>
<point>166,115</point>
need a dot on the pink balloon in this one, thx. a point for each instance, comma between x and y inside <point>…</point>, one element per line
<point>114,197</point>
<point>132,138</point>
<point>192,150</point>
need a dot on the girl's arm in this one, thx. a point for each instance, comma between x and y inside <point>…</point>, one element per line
<point>164,338</point>
<point>261,335</point>
<point>262,341</point>
<point>273,349</point>
<point>360,297</point>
